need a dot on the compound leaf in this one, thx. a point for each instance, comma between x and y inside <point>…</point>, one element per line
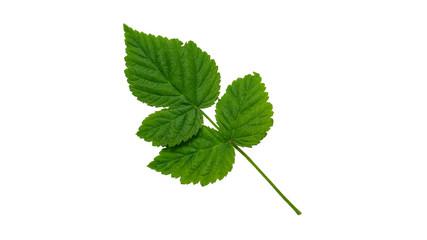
<point>163,72</point>
<point>171,126</point>
<point>205,158</point>
<point>243,113</point>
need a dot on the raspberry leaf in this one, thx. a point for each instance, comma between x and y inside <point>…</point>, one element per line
<point>171,126</point>
<point>205,158</point>
<point>243,114</point>
<point>164,73</point>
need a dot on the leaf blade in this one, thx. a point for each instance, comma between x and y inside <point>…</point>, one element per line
<point>243,113</point>
<point>205,158</point>
<point>163,72</point>
<point>147,69</point>
<point>171,126</point>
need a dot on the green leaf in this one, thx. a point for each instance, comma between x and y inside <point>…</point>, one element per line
<point>163,72</point>
<point>243,113</point>
<point>205,158</point>
<point>171,126</point>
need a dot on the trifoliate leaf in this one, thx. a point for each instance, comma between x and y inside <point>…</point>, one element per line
<point>243,113</point>
<point>164,73</point>
<point>171,126</point>
<point>208,156</point>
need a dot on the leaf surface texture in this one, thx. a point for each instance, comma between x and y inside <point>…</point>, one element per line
<point>243,114</point>
<point>171,126</point>
<point>163,72</point>
<point>205,158</point>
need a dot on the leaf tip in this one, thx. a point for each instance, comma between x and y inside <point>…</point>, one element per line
<point>126,28</point>
<point>150,165</point>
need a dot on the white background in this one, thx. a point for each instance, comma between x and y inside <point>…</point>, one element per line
<point>347,80</point>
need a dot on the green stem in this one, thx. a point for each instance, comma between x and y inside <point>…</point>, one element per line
<point>255,166</point>
<point>268,180</point>
<point>210,120</point>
